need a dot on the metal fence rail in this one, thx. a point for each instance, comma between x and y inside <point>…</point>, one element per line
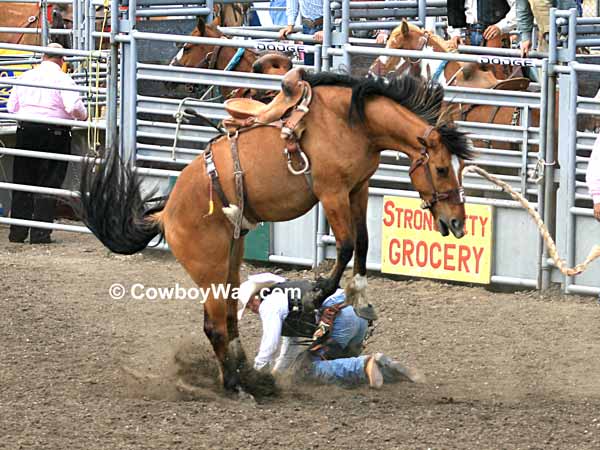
<point>143,127</point>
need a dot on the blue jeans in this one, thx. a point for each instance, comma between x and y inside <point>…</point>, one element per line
<point>309,58</point>
<point>476,38</point>
<point>278,17</point>
<point>349,330</point>
<point>345,370</point>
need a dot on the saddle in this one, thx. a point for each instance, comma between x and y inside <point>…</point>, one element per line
<point>285,112</point>
<point>295,96</point>
<point>293,87</point>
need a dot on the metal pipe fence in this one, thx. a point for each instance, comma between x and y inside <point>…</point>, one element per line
<point>147,129</point>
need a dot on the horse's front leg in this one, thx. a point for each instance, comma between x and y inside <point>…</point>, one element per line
<point>337,210</point>
<point>356,290</point>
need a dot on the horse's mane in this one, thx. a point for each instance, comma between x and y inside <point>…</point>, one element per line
<point>423,98</point>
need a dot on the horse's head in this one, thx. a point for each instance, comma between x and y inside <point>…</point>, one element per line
<point>62,18</point>
<point>437,163</point>
<point>272,63</point>
<point>197,55</point>
<point>406,36</point>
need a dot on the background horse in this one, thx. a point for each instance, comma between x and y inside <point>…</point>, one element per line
<point>349,122</point>
<point>410,37</point>
<point>220,57</point>
<point>28,15</point>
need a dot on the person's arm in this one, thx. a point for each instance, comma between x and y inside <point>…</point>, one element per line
<point>12,105</point>
<point>73,104</point>
<point>592,177</point>
<point>271,324</point>
<point>524,19</point>
<point>509,22</point>
<point>291,10</point>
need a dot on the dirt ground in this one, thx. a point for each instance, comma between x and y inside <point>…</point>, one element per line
<point>79,370</point>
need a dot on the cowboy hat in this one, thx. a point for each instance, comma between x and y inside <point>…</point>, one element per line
<point>252,286</point>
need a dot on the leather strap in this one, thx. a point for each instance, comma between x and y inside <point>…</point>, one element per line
<point>239,182</point>
<point>455,196</point>
<point>211,170</point>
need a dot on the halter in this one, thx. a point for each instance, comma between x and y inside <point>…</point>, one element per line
<point>454,196</point>
<point>408,61</point>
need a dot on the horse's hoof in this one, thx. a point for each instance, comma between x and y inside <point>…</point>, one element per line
<point>245,397</point>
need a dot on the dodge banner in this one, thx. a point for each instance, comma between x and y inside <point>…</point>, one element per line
<point>412,245</point>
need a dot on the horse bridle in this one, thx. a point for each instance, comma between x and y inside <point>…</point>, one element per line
<point>454,196</point>
<point>408,61</point>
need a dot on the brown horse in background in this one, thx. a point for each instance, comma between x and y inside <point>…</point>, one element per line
<point>217,57</point>
<point>349,122</point>
<point>410,37</point>
<point>28,15</point>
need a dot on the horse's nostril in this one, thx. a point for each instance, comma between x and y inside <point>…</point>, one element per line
<point>456,224</point>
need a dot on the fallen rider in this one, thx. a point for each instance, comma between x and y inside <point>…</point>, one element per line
<point>322,342</point>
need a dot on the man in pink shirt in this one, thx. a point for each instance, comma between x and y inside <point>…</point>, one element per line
<point>45,104</point>
<point>592,177</point>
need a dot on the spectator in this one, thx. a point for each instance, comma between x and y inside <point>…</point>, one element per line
<point>487,23</point>
<point>527,11</point>
<point>311,13</point>
<point>45,104</point>
<point>592,177</point>
<point>278,17</point>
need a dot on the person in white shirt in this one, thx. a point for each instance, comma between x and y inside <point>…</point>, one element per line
<point>336,357</point>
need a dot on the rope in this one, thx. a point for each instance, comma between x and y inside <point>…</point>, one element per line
<point>97,78</point>
<point>93,133</point>
<point>560,264</point>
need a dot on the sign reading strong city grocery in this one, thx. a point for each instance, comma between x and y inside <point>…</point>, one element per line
<point>412,245</point>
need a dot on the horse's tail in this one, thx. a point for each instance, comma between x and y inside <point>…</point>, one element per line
<point>113,207</point>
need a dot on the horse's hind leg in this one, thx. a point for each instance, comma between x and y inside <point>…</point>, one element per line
<point>236,362</point>
<point>236,358</point>
<point>205,254</point>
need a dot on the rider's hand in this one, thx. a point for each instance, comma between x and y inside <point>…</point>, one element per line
<point>525,48</point>
<point>285,31</point>
<point>454,43</point>
<point>381,38</point>
<point>597,211</point>
<point>318,36</point>
<point>491,32</point>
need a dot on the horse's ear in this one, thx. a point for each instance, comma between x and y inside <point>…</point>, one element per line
<point>404,27</point>
<point>201,25</point>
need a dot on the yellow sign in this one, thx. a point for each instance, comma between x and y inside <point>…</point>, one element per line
<point>412,245</point>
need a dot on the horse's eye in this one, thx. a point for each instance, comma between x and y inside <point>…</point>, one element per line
<point>442,171</point>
